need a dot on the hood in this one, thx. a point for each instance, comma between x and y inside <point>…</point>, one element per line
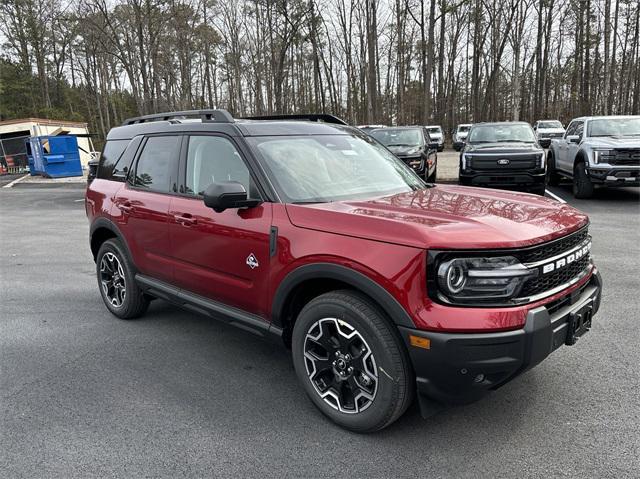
<point>462,134</point>
<point>435,136</point>
<point>445,217</point>
<point>404,150</point>
<point>500,148</point>
<point>610,142</point>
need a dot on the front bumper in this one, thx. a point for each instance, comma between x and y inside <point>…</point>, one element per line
<point>615,176</point>
<point>459,368</point>
<point>515,179</point>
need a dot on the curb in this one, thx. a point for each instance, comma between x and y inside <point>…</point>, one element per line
<point>33,184</point>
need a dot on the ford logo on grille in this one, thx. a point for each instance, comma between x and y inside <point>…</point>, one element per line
<point>504,161</point>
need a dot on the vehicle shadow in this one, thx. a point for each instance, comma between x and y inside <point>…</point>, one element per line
<point>615,194</point>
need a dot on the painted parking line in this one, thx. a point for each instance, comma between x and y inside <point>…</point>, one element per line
<point>554,196</point>
<point>17,180</point>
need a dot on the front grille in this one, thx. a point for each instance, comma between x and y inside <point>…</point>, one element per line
<point>490,162</point>
<point>553,280</point>
<point>553,248</point>
<point>623,156</point>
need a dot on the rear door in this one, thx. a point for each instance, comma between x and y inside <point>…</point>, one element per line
<point>141,206</point>
<point>222,256</point>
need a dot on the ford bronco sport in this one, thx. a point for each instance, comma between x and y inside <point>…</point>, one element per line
<point>313,233</point>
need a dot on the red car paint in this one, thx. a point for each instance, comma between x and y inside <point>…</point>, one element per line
<point>181,241</point>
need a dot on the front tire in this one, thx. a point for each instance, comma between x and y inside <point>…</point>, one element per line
<point>552,177</point>
<point>582,185</point>
<point>351,362</point>
<point>117,284</point>
<point>433,177</point>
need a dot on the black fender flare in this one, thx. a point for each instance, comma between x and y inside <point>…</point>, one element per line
<point>105,223</point>
<point>359,281</point>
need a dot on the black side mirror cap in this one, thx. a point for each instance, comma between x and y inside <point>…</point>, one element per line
<point>227,195</point>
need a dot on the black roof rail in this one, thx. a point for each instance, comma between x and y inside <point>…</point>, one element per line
<point>220,116</point>
<point>319,117</point>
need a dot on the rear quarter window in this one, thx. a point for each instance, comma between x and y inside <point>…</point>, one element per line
<point>112,152</point>
<point>116,159</point>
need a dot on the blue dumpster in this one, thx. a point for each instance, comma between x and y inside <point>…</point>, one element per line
<point>54,156</point>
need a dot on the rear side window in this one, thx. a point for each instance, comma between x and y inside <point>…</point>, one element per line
<point>112,152</point>
<point>158,164</point>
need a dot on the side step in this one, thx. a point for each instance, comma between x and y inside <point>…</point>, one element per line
<point>208,307</point>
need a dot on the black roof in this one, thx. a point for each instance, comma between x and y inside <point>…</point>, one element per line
<point>221,121</point>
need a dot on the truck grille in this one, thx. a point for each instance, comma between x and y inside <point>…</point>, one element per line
<point>623,156</point>
<point>516,162</point>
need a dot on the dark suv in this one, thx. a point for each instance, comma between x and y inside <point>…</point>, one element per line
<point>414,146</point>
<point>506,155</point>
<point>313,233</point>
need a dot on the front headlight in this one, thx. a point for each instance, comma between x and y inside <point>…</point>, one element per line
<point>601,156</point>
<point>481,279</point>
<point>541,161</point>
<point>413,151</point>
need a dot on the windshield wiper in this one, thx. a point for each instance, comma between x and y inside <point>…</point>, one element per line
<point>399,144</point>
<point>308,202</point>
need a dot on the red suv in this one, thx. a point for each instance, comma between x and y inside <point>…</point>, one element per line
<point>314,233</point>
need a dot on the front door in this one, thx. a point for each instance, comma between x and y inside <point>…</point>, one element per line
<point>222,256</point>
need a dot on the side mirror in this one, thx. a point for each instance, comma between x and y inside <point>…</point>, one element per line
<point>227,195</point>
<point>573,138</point>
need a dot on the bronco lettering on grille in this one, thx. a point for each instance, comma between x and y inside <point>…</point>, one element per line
<point>566,260</point>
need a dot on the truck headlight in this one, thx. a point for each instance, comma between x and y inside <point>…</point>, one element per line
<point>466,161</point>
<point>413,151</point>
<point>481,279</point>
<point>601,156</point>
<point>541,160</point>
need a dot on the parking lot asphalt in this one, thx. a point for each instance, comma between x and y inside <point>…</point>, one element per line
<point>83,394</point>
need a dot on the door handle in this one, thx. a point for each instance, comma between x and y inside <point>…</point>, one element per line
<point>185,219</point>
<point>126,207</point>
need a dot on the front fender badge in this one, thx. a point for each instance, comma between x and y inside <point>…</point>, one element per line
<point>252,261</point>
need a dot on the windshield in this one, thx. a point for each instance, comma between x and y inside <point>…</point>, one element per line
<point>550,124</point>
<point>399,137</point>
<point>324,168</point>
<point>616,127</point>
<point>501,133</point>
<point>435,130</point>
<point>463,129</point>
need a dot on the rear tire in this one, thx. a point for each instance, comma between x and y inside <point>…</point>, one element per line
<point>351,362</point>
<point>552,177</point>
<point>116,281</point>
<point>582,185</point>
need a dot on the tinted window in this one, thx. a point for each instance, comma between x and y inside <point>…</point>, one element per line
<point>112,152</point>
<point>157,165</point>
<point>570,129</point>
<point>215,159</point>
<point>549,124</point>
<point>579,128</point>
